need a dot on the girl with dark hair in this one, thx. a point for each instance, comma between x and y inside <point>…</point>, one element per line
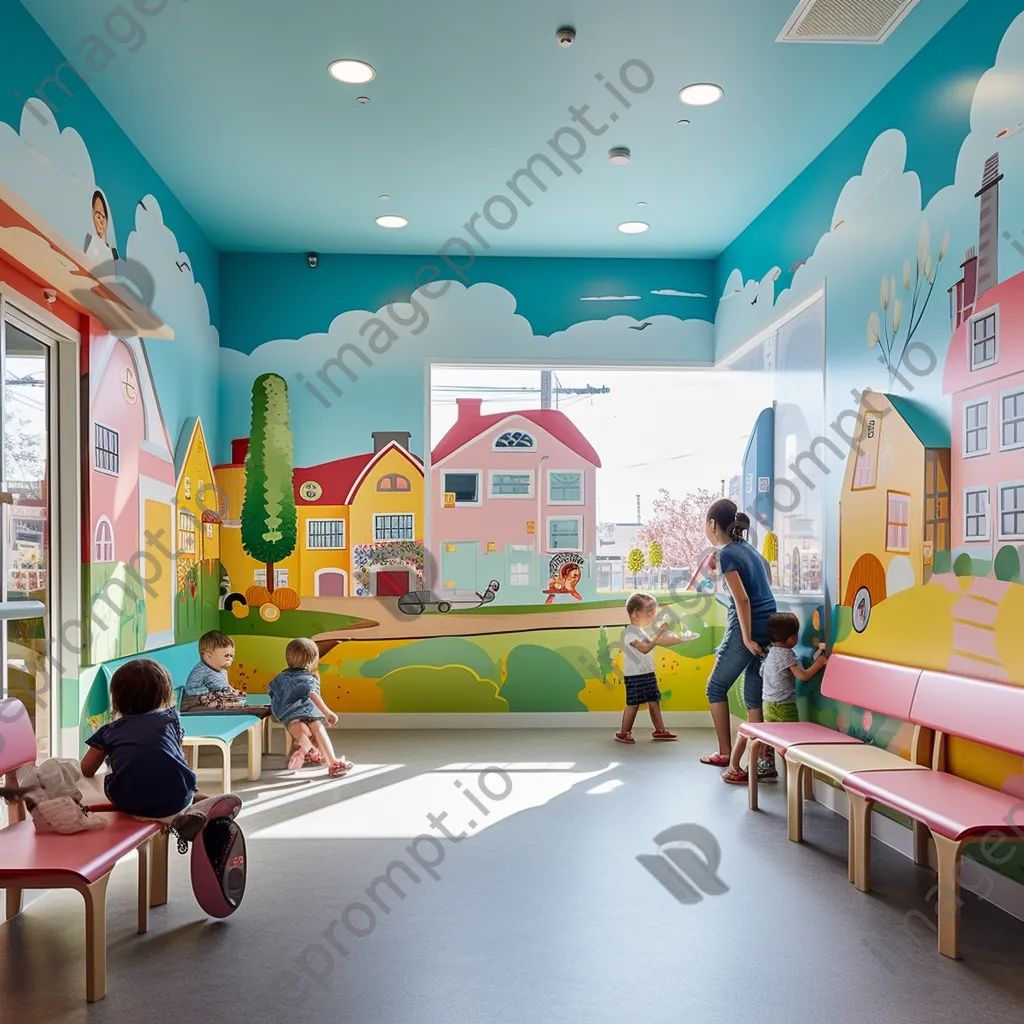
<point>748,578</point>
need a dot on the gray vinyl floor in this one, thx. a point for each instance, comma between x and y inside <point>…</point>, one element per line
<point>541,914</point>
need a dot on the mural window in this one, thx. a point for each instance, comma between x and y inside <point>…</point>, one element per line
<point>984,339</point>
<point>280,578</point>
<point>103,550</point>
<point>386,527</point>
<point>515,439</point>
<point>393,482</point>
<point>897,530</point>
<point>1011,511</point>
<point>209,530</point>
<point>325,534</point>
<point>107,449</point>
<point>511,485</point>
<point>129,385</point>
<point>976,428</point>
<point>1013,420</point>
<point>565,488</point>
<point>465,487</point>
<point>520,565</point>
<point>186,533</point>
<point>976,513</point>
<point>565,533</point>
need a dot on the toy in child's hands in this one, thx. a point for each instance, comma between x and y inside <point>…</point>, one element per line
<point>51,794</point>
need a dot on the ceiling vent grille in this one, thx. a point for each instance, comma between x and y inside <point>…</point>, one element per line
<point>845,21</point>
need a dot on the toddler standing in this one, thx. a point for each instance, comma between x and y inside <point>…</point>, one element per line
<point>296,703</point>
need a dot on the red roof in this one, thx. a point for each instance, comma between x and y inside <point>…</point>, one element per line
<point>470,425</point>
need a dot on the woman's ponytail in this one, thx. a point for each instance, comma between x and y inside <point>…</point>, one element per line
<point>739,527</point>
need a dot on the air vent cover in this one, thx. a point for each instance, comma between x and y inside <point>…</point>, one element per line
<point>845,21</point>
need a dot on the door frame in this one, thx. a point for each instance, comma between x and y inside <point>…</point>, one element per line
<point>64,527</point>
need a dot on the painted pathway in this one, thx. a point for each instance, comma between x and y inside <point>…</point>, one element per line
<point>974,626</point>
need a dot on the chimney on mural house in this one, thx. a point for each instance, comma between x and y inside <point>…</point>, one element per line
<point>382,438</point>
<point>469,408</point>
<point>988,233</point>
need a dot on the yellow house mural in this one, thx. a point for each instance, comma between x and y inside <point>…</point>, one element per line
<point>894,511</point>
<point>359,524</point>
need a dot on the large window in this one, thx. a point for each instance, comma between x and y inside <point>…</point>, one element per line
<point>976,513</point>
<point>1011,511</point>
<point>565,487</point>
<point>976,428</point>
<point>386,527</point>
<point>1012,409</point>
<point>511,485</point>
<point>186,533</point>
<point>325,534</point>
<point>107,450</point>
<point>465,487</point>
<point>516,439</point>
<point>984,339</point>
<point>897,529</point>
<point>565,533</point>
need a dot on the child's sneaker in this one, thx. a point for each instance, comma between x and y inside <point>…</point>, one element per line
<point>664,734</point>
<point>766,771</point>
<point>625,737</point>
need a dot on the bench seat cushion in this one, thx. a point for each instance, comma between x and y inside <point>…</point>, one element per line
<point>783,735</point>
<point>217,727</point>
<point>838,760</point>
<point>948,805</point>
<point>69,860</point>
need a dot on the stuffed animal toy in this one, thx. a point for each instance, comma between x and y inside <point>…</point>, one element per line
<point>51,794</point>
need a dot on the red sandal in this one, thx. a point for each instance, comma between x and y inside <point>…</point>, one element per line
<point>663,734</point>
<point>340,768</point>
<point>716,760</point>
<point>625,737</point>
<point>735,777</point>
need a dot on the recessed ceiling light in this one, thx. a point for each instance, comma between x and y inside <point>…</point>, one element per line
<point>634,227</point>
<point>362,99</point>
<point>352,72</point>
<point>383,198</point>
<point>683,120</point>
<point>702,94</point>
<point>391,221</point>
<point>641,203</point>
<point>618,156</point>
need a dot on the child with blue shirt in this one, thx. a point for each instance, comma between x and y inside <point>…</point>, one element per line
<point>207,687</point>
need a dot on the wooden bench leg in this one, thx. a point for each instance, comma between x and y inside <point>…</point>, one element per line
<point>225,749</point>
<point>860,842</point>
<point>13,902</point>
<point>922,836</point>
<point>794,800</point>
<point>144,884</point>
<point>947,907</point>
<point>95,896</point>
<point>160,848</point>
<point>808,777</point>
<point>255,751</point>
<point>754,749</point>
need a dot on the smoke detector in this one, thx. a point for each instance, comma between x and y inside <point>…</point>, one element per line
<point>565,36</point>
<point>618,156</point>
<point>845,21</point>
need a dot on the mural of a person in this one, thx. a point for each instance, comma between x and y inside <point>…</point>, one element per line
<point>100,244</point>
<point>565,582</point>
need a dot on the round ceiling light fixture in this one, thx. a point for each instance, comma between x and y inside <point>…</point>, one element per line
<point>362,99</point>
<point>701,94</point>
<point>384,198</point>
<point>389,220</point>
<point>641,203</point>
<point>634,227</point>
<point>618,156</point>
<point>351,72</point>
<point>683,121</point>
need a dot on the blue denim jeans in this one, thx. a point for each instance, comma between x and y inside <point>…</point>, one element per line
<point>731,659</point>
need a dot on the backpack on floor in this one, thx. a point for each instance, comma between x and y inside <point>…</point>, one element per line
<point>218,863</point>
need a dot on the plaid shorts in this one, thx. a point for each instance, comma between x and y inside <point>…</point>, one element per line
<point>776,712</point>
<point>642,690</point>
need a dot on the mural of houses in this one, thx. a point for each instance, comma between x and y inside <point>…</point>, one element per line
<point>984,374</point>
<point>197,543</point>
<point>511,494</point>
<point>895,506</point>
<point>360,524</point>
<point>130,508</point>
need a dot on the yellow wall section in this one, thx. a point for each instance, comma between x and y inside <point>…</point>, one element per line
<point>369,501</point>
<point>312,560</point>
<point>196,492</point>
<point>159,572</point>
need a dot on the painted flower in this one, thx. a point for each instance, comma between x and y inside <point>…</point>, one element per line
<point>897,316</point>
<point>929,270</point>
<point>874,330</point>
<point>906,275</point>
<point>885,293</point>
<point>944,248</point>
<point>924,245</point>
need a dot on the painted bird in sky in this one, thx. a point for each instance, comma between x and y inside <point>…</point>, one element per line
<point>640,327</point>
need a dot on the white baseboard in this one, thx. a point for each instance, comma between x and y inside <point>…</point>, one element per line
<point>519,720</point>
<point>1003,892</point>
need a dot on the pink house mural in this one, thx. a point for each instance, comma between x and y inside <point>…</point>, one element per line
<point>512,493</point>
<point>985,375</point>
<point>130,504</point>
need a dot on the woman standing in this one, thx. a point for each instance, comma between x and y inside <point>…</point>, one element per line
<point>748,578</point>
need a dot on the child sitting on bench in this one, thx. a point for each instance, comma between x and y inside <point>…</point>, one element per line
<point>207,687</point>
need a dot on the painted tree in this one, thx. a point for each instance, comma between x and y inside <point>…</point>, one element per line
<point>269,526</point>
<point>604,654</point>
<point>677,524</point>
<point>635,563</point>
<point>656,557</point>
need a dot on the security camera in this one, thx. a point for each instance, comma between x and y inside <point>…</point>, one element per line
<point>565,36</point>
<point>313,259</point>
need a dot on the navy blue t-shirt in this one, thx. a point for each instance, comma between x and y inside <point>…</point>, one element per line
<point>755,575</point>
<point>148,773</point>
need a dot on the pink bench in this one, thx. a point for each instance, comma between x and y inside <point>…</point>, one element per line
<point>954,810</point>
<point>84,861</point>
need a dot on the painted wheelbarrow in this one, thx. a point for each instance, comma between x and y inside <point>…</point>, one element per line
<point>417,601</point>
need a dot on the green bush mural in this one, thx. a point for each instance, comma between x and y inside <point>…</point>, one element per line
<point>1007,564</point>
<point>537,679</point>
<point>448,689</point>
<point>435,652</point>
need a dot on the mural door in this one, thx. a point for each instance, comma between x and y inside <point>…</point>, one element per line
<point>936,508</point>
<point>159,573</point>
<point>458,564</point>
<point>392,582</point>
<point>330,583</point>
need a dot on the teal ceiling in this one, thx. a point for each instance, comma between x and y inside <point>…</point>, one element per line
<point>231,102</point>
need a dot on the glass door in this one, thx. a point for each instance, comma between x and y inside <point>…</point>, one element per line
<point>27,525</point>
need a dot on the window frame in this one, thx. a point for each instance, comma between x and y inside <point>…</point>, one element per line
<point>549,547</point>
<point>520,448</point>
<point>890,523</point>
<point>184,548</point>
<point>582,474</point>
<point>478,473</point>
<point>1019,511</point>
<point>984,314</point>
<point>96,449</point>
<point>977,403</point>
<point>528,473</point>
<point>394,477</point>
<point>377,539</point>
<point>967,515</point>
<point>1017,392</point>
<point>103,521</point>
<point>327,547</point>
